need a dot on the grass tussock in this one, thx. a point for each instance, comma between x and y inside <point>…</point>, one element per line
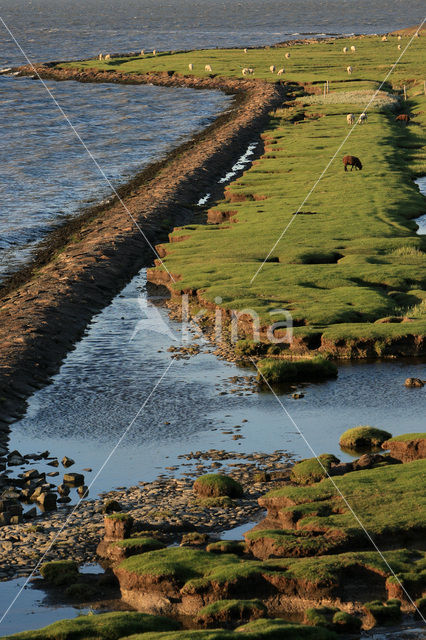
<point>363,438</point>
<point>306,370</point>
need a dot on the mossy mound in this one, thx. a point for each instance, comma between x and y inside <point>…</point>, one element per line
<point>246,348</point>
<point>332,618</point>
<point>261,629</point>
<point>384,613</point>
<point>226,612</point>
<point>216,484</point>
<point>363,438</point>
<point>226,546</point>
<point>275,371</point>
<point>313,469</point>
<point>221,502</point>
<point>82,592</point>
<point>111,506</point>
<point>60,572</point>
<point>139,545</point>
<point>105,626</point>
<point>194,539</point>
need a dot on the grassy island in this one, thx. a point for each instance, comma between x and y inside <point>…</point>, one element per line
<point>352,271</point>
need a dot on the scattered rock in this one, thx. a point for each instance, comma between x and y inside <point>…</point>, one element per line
<point>414,382</point>
<point>67,462</point>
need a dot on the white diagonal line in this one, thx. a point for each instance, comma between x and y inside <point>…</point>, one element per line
<point>101,468</point>
<point>338,490</point>
<point>86,148</point>
<point>351,130</point>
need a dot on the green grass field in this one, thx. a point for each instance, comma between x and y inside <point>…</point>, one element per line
<point>358,259</point>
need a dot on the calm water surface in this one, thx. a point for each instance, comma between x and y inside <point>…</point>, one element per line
<point>107,378</point>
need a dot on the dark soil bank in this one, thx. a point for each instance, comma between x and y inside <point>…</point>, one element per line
<point>82,265</point>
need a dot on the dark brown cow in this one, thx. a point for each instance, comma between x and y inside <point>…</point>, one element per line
<point>352,161</point>
<point>403,118</point>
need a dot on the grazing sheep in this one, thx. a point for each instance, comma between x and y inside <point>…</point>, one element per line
<point>251,70</point>
<point>191,66</point>
<point>352,161</point>
<point>208,68</point>
<point>245,50</point>
<point>353,48</point>
<point>403,118</point>
<point>245,71</point>
<point>100,56</point>
<point>399,47</point>
<point>280,72</point>
<point>362,118</point>
<point>399,37</point>
<point>349,70</point>
<point>345,49</point>
<point>142,53</point>
<point>350,118</point>
<point>108,56</point>
<point>287,55</point>
<point>384,39</point>
<point>154,53</point>
<point>272,68</point>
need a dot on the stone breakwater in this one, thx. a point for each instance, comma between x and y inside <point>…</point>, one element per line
<point>168,505</point>
<point>85,263</point>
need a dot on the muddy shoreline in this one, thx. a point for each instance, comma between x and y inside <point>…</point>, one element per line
<point>84,263</point>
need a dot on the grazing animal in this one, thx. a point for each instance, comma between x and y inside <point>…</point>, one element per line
<point>353,48</point>
<point>245,50</point>
<point>384,39</point>
<point>272,68</point>
<point>100,56</point>
<point>208,68</point>
<point>349,70</point>
<point>191,66</point>
<point>108,56</point>
<point>287,55</point>
<point>245,71</point>
<point>399,47</point>
<point>362,118</point>
<point>251,70</point>
<point>399,37</point>
<point>352,161</point>
<point>345,49</point>
<point>350,118</point>
<point>403,118</point>
<point>280,72</point>
<point>142,53</point>
<point>154,53</point>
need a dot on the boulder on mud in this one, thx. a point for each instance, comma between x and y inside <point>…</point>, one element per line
<point>60,572</point>
<point>414,382</point>
<point>74,479</point>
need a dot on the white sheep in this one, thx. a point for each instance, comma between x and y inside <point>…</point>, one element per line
<point>191,66</point>
<point>272,68</point>
<point>384,39</point>
<point>100,56</point>
<point>349,69</point>
<point>154,53</point>
<point>350,118</point>
<point>287,55</point>
<point>362,118</point>
<point>142,53</point>
<point>399,47</point>
<point>251,70</point>
<point>108,56</point>
<point>345,49</point>
<point>245,71</point>
<point>399,37</point>
<point>208,68</point>
<point>245,50</point>
<point>280,72</point>
<point>353,48</point>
